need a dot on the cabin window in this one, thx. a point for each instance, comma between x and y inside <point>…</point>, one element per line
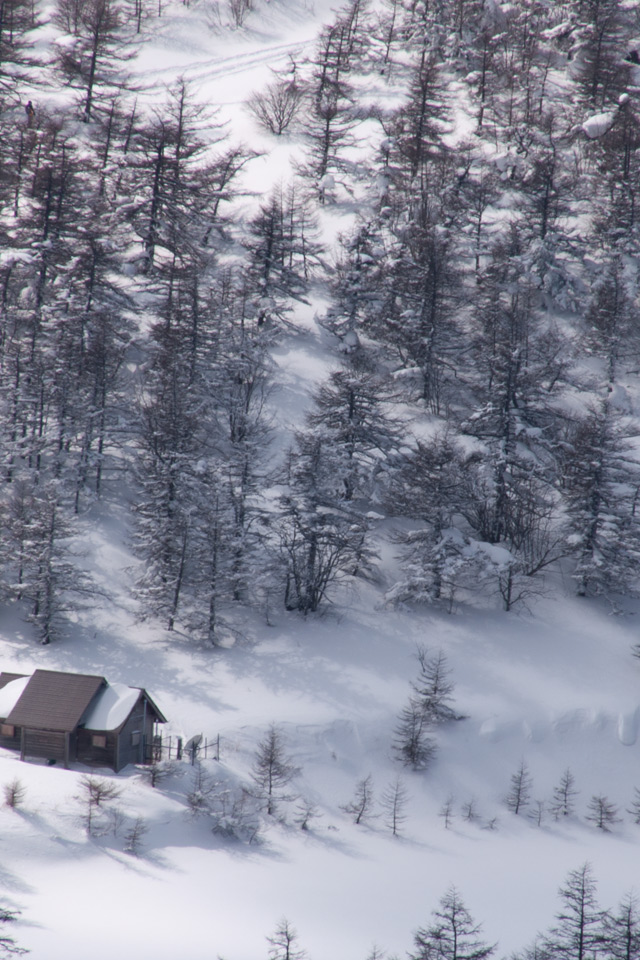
<point>7,730</point>
<point>98,740</point>
<point>135,738</point>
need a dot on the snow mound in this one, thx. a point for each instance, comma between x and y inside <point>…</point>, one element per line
<point>599,124</point>
<point>628,728</point>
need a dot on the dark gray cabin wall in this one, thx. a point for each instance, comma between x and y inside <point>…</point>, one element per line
<point>11,743</point>
<point>140,718</point>
<point>45,744</point>
<point>97,756</point>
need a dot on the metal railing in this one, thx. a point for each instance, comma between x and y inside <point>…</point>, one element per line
<point>195,748</point>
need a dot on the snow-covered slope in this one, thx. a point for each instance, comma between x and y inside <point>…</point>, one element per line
<point>556,690</point>
<point>555,687</point>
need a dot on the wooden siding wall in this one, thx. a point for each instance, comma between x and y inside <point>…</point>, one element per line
<point>98,756</point>
<point>11,743</point>
<point>46,744</point>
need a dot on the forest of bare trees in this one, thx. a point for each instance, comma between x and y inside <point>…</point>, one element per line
<point>487,289</point>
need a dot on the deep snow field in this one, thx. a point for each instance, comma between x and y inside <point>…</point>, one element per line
<point>557,689</point>
<point>555,686</point>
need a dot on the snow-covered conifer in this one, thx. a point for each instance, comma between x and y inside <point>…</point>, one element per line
<point>452,935</point>
<point>273,769</point>
<point>600,476</point>
<point>602,812</point>
<point>394,801</point>
<point>578,932</point>
<point>564,796</point>
<point>284,943</point>
<point>621,930</point>
<point>360,808</point>
<point>412,743</point>
<point>517,800</point>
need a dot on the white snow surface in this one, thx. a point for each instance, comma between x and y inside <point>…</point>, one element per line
<point>112,707</point>
<point>10,694</point>
<point>597,125</point>
<point>556,687</point>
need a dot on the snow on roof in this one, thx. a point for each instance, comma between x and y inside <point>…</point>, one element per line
<point>10,694</point>
<point>112,707</point>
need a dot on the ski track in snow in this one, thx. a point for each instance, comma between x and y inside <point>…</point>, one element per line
<point>217,67</point>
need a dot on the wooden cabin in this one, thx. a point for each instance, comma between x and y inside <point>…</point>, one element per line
<point>77,717</point>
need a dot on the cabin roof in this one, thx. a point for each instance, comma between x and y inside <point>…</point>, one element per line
<point>52,700</point>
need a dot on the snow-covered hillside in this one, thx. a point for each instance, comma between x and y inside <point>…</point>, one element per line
<point>550,685</point>
<point>556,690</point>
